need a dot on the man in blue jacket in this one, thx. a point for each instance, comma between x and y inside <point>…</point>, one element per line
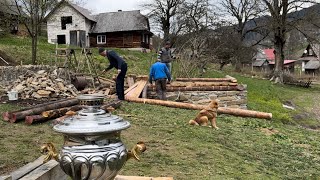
<point>118,63</point>
<point>160,74</point>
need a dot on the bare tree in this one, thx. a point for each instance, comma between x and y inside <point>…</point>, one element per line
<point>162,13</point>
<point>281,23</point>
<point>31,15</point>
<point>243,11</point>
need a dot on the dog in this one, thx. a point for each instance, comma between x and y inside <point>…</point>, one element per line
<point>207,114</point>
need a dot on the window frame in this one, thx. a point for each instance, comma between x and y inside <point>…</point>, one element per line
<point>101,42</point>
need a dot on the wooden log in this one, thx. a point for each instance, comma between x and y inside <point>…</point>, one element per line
<point>51,114</point>
<point>22,114</point>
<point>230,111</point>
<point>199,88</point>
<point>205,79</point>
<point>191,84</point>
<point>6,115</point>
<point>232,79</point>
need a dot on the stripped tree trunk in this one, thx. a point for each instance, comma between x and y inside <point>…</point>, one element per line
<point>230,111</point>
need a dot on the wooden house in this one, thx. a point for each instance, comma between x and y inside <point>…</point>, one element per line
<point>122,29</point>
<point>309,60</point>
<point>264,61</point>
<point>71,24</point>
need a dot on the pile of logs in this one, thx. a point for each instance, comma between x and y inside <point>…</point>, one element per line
<point>55,109</point>
<point>43,84</point>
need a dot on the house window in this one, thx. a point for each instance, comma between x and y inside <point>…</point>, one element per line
<point>65,20</point>
<point>101,39</point>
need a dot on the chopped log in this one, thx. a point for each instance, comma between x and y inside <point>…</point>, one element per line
<point>206,79</point>
<point>59,112</point>
<point>22,114</point>
<point>137,91</point>
<point>51,114</point>
<point>7,115</point>
<point>230,111</point>
<point>199,88</point>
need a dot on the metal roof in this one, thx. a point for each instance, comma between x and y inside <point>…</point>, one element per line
<point>312,65</point>
<point>120,21</point>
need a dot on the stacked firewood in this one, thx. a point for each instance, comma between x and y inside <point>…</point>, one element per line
<point>43,84</point>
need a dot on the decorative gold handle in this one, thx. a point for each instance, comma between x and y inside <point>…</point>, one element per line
<point>50,151</point>
<point>137,149</point>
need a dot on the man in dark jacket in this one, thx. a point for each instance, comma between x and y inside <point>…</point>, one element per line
<point>160,74</point>
<point>118,63</point>
<point>165,55</point>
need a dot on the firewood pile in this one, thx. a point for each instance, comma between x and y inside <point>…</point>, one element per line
<point>42,84</point>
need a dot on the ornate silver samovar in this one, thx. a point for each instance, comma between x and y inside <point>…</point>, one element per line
<point>92,145</point>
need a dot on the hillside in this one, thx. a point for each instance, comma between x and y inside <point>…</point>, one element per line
<point>286,147</point>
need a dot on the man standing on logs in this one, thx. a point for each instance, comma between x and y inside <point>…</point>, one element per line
<point>118,63</point>
<point>160,74</point>
<point>165,55</point>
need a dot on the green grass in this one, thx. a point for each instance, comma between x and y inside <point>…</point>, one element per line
<point>239,150</point>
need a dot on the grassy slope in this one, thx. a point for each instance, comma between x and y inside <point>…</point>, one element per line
<point>238,150</point>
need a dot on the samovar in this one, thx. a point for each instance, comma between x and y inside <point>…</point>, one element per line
<point>92,146</point>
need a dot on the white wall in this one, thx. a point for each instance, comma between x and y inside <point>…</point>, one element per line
<point>79,22</point>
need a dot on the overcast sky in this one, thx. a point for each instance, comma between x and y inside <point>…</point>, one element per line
<point>100,6</point>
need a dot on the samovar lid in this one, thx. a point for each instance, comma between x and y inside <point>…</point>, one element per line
<point>91,120</point>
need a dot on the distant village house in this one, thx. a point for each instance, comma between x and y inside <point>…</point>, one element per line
<point>70,24</point>
<point>264,61</point>
<point>309,61</point>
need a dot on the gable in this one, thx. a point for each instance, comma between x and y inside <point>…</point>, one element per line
<point>73,8</point>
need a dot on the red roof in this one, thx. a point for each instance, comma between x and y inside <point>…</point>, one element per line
<point>285,62</point>
<point>269,54</point>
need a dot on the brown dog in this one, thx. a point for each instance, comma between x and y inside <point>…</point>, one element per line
<point>207,114</point>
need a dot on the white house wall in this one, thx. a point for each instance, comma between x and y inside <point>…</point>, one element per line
<point>79,22</point>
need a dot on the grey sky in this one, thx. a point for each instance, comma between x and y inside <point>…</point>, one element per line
<point>100,6</point>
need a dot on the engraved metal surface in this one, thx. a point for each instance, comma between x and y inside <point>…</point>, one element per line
<point>92,149</point>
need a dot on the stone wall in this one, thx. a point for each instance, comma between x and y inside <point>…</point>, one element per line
<point>9,74</point>
<point>232,99</point>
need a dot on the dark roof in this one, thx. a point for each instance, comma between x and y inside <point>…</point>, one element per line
<point>85,12</point>
<point>121,21</point>
<point>259,63</point>
<point>312,65</point>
